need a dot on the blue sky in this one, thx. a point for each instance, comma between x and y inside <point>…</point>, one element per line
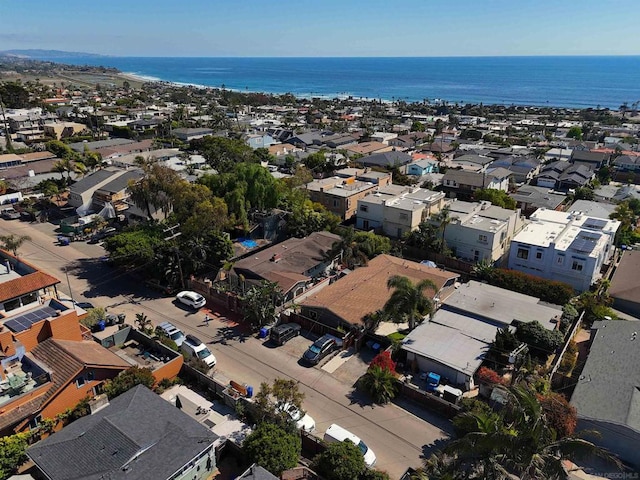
<point>323,27</point>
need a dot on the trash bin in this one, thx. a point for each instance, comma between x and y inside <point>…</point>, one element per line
<point>100,326</point>
<point>263,332</point>
<point>249,391</point>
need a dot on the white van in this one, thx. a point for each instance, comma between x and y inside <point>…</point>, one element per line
<point>335,433</point>
<point>193,347</point>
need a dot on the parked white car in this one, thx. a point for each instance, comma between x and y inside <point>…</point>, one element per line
<point>335,433</point>
<point>195,348</point>
<point>303,422</point>
<point>191,299</point>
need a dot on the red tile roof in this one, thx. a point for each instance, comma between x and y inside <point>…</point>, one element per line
<point>32,282</point>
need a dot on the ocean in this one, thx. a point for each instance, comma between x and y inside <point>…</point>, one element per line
<point>575,82</point>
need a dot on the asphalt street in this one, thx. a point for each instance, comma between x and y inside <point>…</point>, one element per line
<point>400,434</point>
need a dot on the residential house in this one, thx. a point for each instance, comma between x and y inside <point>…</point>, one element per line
<point>107,153</point>
<point>295,264</point>
<point>116,192</point>
<point>346,302</point>
<point>340,195</point>
<point>564,246</point>
<point>523,169</point>
<point>259,140</point>
<point>592,160</point>
<point>470,162</point>
<point>505,152</point>
<point>606,395</point>
<point>30,311</point>
<point>63,129</point>
<point>422,167</point>
<point>460,183</point>
<point>383,137</point>
<point>81,192</point>
<point>455,340</point>
<point>626,163</point>
<point>625,284</point>
<point>188,134</point>
<point>368,148</point>
<point>529,198</point>
<point>304,140</point>
<point>396,210</point>
<point>393,159</point>
<point>558,153</point>
<point>481,231</point>
<point>339,140</point>
<point>445,149</point>
<point>592,209</point>
<point>93,146</point>
<point>53,377</point>
<point>136,435</point>
<point>408,141</point>
<point>563,175</point>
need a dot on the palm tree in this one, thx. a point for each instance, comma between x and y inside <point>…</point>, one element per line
<point>443,218</point>
<point>518,442</point>
<point>408,302</point>
<point>143,322</point>
<point>380,384</point>
<point>12,242</point>
<point>351,252</point>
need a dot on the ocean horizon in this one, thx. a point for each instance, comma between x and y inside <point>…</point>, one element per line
<point>558,81</point>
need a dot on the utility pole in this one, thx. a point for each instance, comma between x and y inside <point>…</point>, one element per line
<point>66,272</point>
<point>171,235</point>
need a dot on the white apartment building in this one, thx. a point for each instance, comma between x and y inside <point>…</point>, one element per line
<point>566,246</point>
<point>481,231</point>
<point>395,210</point>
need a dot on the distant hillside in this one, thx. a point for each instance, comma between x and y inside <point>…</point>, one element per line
<point>48,54</point>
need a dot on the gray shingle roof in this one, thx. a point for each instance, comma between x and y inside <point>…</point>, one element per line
<point>609,387</point>
<point>139,435</point>
<point>386,159</point>
<point>120,183</point>
<point>112,142</point>
<point>87,183</point>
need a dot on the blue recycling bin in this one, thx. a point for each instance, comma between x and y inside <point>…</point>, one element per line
<point>249,391</point>
<point>263,332</point>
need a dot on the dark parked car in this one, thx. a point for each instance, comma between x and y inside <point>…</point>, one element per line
<point>10,214</point>
<point>284,332</point>
<point>319,349</point>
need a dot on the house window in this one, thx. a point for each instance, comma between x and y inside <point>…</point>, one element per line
<point>313,315</point>
<point>91,375</point>
<point>577,265</point>
<point>482,238</point>
<point>364,208</point>
<point>539,255</point>
<point>35,422</point>
<point>560,259</point>
<point>29,298</point>
<point>335,203</point>
<point>12,304</point>
<point>404,216</point>
<point>523,253</point>
<point>80,381</point>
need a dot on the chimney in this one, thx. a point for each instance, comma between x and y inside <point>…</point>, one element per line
<point>276,257</point>
<point>98,403</point>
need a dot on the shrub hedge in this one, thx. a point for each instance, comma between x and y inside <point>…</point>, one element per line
<point>550,291</point>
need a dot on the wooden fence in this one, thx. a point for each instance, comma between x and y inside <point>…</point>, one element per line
<point>428,400</point>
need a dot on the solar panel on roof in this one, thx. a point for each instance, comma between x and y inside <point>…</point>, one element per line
<point>595,223</point>
<point>583,245</point>
<point>23,322</point>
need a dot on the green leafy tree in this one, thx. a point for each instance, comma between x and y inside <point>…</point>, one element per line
<point>13,453</point>
<point>94,315</point>
<point>575,132</point>
<point>136,247</point>
<point>223,154</point>
<point>408,303</point>
<point>270,397</point>
<point>499,198</point>
<point>273,448</point>
<point>128,379</point>
<point>540,339</point>
<point>14,95</point>
<point>259,303</point>
<point>12,243</point>
<point>357,248</point>
<point>418,127</point>
<point>340,461</point>
<point>156,189</point>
